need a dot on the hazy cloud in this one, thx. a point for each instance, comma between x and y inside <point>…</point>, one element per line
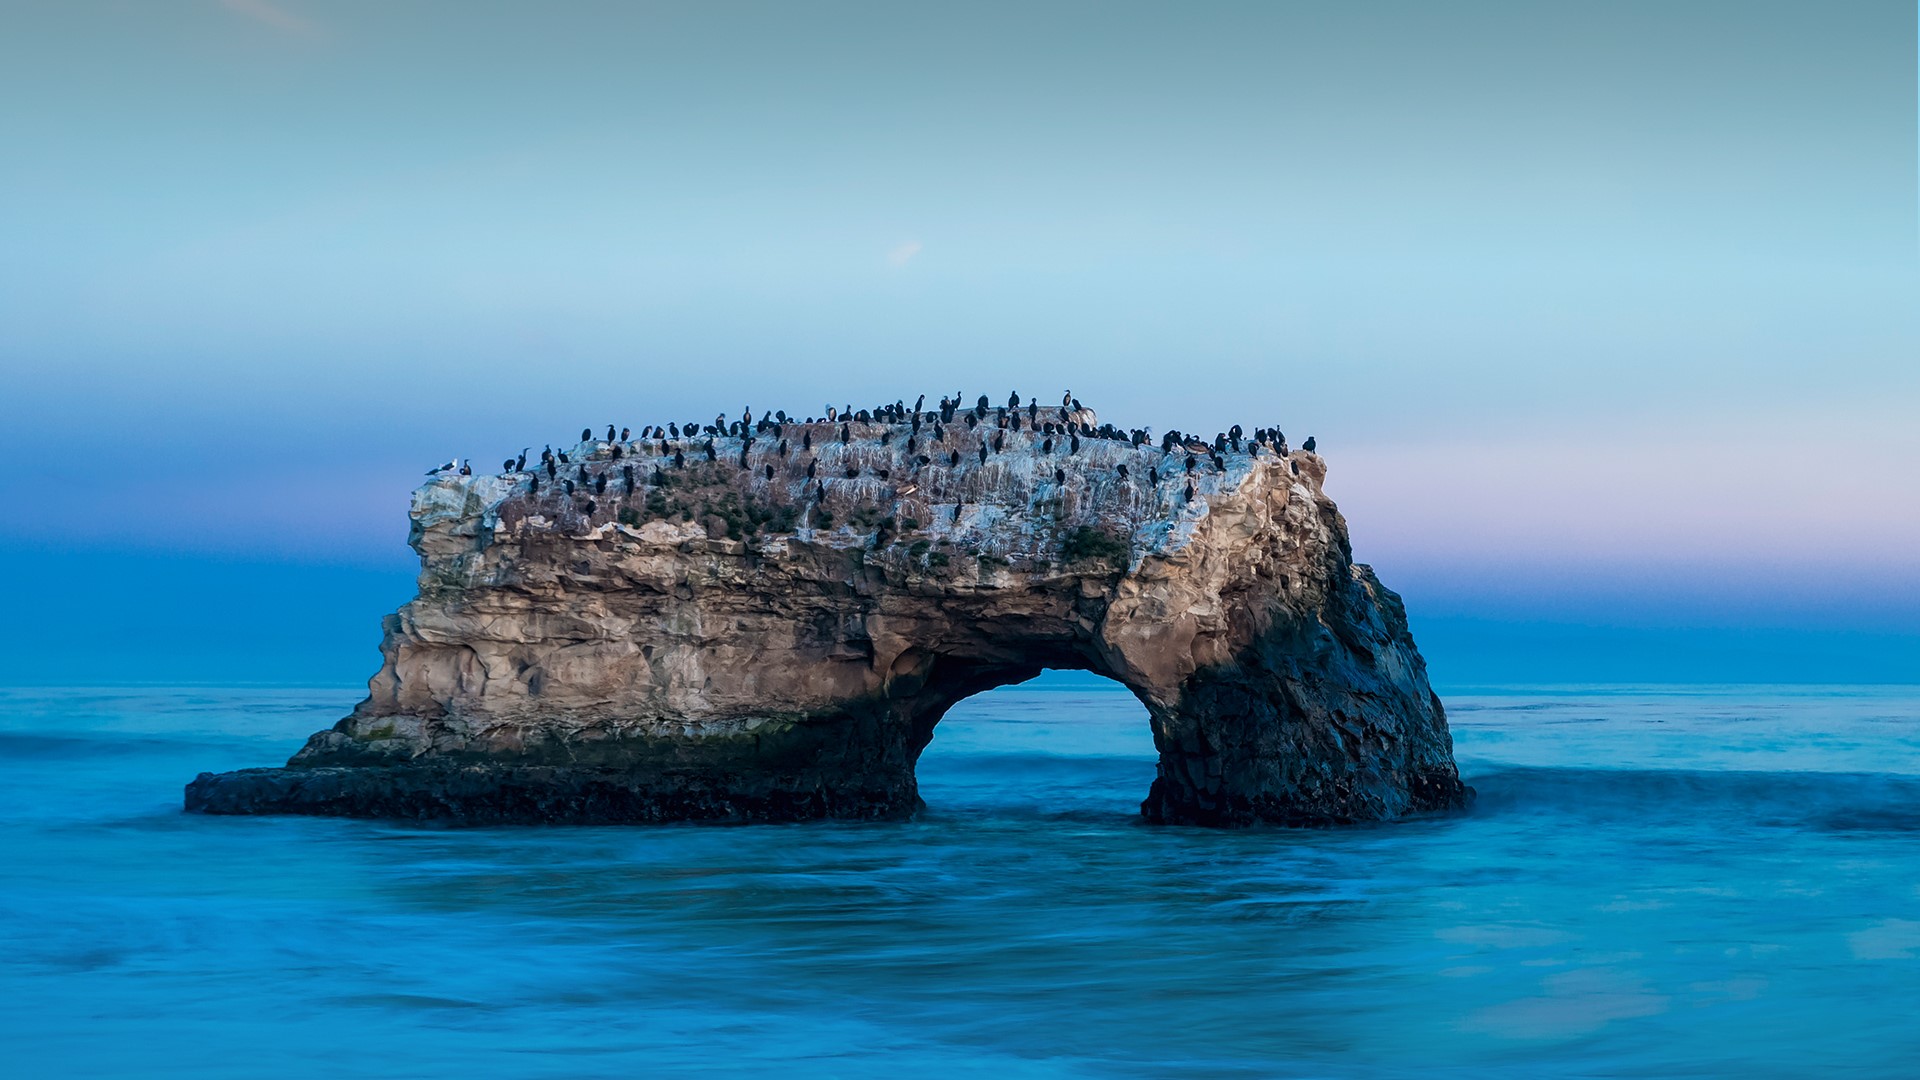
<point>276,17</point>
<point>903,254</point>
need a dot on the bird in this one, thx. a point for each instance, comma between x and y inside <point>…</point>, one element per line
<point>1123,471</point>
<point>812,466</point>
<point>520,463</point>
<point>586,434</point>
<point>983,453</point>
<point>956,511</point>
<point>626,434</point>
<point>954,459</point>
<point>846,434</point>
<point>769,472</point>
<point>1153,476</point>
<point>466,467</point>
<point>999,442</point>
<point>600,484</point>
<point>1059,476</point>
<point>1188,497</point>
<point>1066,399</point>
<point>1308,445</point>
<point>553,471</point>
<point>448,467</point>
<point>609,432</point>
<point>853,471</point>
<point>533,484</point>
<point>1046,446</point>
<point>506,466</point>
<point>711,456</point>
<point>679,460</point>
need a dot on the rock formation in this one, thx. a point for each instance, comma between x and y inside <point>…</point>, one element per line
<point>732,641</point>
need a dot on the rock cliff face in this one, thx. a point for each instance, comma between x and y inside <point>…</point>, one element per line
<point>733,641</point>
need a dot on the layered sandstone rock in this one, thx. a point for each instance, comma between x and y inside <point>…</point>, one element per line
<point>719,644</point>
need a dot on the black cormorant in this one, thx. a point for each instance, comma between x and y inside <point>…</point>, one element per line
<point>1308,445</point>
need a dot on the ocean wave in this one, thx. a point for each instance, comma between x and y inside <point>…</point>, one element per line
<point>1831,801</point>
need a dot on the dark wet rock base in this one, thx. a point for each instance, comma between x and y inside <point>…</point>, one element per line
<point>528,795</point>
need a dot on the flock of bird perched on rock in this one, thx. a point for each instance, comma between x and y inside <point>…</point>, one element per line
<point>926,439</point>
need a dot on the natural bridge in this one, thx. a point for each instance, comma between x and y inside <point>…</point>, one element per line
<point>766,622</point>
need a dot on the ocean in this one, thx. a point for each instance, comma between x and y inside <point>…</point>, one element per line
<point>1697,881</point>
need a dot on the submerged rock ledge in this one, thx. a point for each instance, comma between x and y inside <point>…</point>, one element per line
<point>735,629</point>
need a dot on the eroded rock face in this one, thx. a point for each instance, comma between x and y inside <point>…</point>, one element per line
<point>723,645</point>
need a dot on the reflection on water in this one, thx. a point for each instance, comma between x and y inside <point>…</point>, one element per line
<point>1714,882</point>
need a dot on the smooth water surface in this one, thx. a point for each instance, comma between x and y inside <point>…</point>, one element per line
<point>1705,882</point>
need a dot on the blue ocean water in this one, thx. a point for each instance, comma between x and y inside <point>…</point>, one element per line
<point>1700,882</point>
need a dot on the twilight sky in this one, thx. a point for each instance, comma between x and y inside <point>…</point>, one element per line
<point>1604,314</point>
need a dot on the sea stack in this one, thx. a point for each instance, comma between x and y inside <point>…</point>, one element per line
<point>721,646</point>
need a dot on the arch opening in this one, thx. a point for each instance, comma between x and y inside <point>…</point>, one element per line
<point>1067,742</point>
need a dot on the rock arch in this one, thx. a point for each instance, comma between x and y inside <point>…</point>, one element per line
<point>723,645</point>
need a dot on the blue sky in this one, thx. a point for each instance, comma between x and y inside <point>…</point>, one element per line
<point>1604,314</point>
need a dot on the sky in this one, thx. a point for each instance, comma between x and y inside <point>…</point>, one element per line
<point>1604,315</point>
